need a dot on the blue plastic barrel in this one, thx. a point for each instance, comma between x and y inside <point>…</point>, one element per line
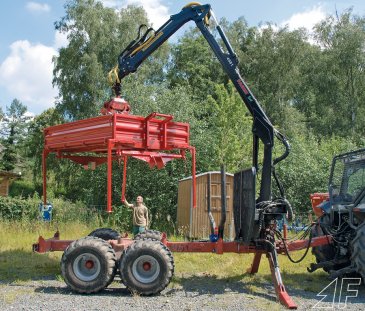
<point>46,211</point>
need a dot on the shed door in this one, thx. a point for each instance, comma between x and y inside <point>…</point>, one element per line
<point>216,205</point>
<point>215,196</point>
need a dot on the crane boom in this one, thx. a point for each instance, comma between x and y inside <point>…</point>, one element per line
<point>138,50</point>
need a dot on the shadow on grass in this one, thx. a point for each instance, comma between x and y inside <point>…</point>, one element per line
<point>20,265</point>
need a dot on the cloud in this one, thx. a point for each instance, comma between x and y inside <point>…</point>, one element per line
<point>60,40</point>
<point>26,74</point>
<point>157,13</point>
<point>305,19</point>
<point>37,7</point>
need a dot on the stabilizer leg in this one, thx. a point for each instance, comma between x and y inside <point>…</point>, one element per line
<point>281,293</point>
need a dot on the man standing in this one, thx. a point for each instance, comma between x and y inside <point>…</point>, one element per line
<point>140,215</point>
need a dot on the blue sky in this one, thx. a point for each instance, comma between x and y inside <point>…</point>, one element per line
<point>28,40</point>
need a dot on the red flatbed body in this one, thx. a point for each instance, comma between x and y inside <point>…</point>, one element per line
<point>129,132</point>
<point>94,141</point>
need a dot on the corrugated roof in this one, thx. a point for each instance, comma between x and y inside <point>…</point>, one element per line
<point>9,174</point>
<point>206,173</point>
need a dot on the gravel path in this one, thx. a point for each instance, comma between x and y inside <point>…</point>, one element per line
<point>51,294</point>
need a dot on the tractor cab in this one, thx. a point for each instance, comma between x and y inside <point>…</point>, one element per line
<point>347,179</point>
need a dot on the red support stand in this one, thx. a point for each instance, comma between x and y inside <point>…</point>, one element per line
<point>109,178</point>
<point>255,264</point>
<point>281,294</point>
<point>124,182</point>
<point>44,173</point>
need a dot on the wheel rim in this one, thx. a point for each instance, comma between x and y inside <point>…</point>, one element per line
<point>146,269</point>
<point>86,267</point>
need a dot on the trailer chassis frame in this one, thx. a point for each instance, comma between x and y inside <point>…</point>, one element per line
<point>259,248</point>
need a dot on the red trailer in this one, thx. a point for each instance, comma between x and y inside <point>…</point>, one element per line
<point>145,263</point>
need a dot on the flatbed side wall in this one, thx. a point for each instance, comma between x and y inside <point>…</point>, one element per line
<point>160,136</point>
<point>129,131</point>
<point>80,134</point>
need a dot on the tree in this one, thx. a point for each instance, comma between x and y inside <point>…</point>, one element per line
<point>230,129</point>
<point>307,168</point>
<point>96,37</point>
<point>194,65</point>
<point>298,84</point>
<point>35,139</point>
<point>334,91</point>
<point>275,58</point>
<point>13,132</point>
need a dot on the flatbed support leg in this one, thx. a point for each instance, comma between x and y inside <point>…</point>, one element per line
<point>44,173</point>
<point>281,293</point>
<point>109,178</point>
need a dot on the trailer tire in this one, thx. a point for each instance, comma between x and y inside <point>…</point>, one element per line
<point>358,253</point>
<point>88,265</point>
<point>149,234</point>
<point>146,267</point>
<point>105,234</point>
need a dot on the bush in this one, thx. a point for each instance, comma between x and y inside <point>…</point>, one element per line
<point>17,209</point>
<point>307,168</point>
<point>28,209</point>
<point>22,188</point>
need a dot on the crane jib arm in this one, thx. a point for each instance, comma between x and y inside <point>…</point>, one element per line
<point>130,59</point>
<point>138,50</point>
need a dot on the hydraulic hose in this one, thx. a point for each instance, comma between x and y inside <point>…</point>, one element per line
<point>286,144</point>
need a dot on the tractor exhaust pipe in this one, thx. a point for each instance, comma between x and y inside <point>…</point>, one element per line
<point>209,203</point>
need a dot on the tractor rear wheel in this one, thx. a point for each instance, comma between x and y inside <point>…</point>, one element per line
<point>88,265</point>
<point>323,252</point>
<point>146,267</point>
<point>358,251</point>
<point>105,234</point>
<point>149,234</point>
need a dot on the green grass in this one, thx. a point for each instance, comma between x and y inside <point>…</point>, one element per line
<point>18,263</point>
<point>228,268</point>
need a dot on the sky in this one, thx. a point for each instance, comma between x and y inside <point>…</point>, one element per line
<point>29,41</point>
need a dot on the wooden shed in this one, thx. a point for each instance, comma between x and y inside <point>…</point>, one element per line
<point>194,222</point>
<point>5,179</point>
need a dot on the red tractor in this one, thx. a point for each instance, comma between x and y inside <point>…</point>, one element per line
<point>341,214</point>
